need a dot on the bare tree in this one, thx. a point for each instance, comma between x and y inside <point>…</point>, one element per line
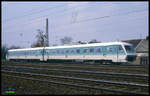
<point>41,37</point>
<point>80,42</point>
<point>66,40</point>
<point>94,41</point>
<point>4,51</point>
<point>14,47</point>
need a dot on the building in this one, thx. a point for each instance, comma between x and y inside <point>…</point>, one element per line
<point>134,42</point>
<point>142,48</point>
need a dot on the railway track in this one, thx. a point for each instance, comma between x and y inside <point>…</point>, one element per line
<point>128,77</point>
<point>80,71</point>
<point>91,67</point>
<point>92,80</point>
<point>107,85</point>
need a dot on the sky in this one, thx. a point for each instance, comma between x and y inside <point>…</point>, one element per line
<point>82,21</point>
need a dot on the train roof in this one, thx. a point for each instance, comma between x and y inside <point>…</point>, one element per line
<point>37,48</point>
<point>87,45</point>
<point>70,46</point>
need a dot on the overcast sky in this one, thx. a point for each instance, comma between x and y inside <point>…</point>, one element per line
<point>84,21</point>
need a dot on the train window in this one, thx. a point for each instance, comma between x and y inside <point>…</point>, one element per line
<point>58,52</point>
<point>120,48</point>
<point>129,48</point>
<point>41,51</point>
<point>110,49</point>
<point>107,49</point>
<point>46,51</point>
<point>67,51</point>
<point>30,52</point>
<point>53,52</point>
<point>78,50</point>
<point>34,52</point>
<point>72,51</point>
<point>91,49</point>
<point>62,52</point>
<point>85,50</point>
<point>98,50</point>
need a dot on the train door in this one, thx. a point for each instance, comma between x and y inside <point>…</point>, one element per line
<point>41,55</point>
<point>107,54</point>
<point>47,54</point>
<point>104,50</point>
<point>120,53</point>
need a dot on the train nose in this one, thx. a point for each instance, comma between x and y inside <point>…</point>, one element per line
<point>131,58</point>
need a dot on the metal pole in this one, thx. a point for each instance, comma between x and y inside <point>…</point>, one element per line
<point>117,54</point>
<point>47,39</point>
<point>43,41</point>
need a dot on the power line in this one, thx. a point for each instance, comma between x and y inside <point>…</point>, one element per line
<point>24,25</point>
<point>61,12</point>
<point>30,27</point>
<point>104,25</point>
<point>45,17</point>
<point>96,29</point>
<point>18,17</point>
<point>97,18</point>
<point>53,14</point>
<point>34,13</point>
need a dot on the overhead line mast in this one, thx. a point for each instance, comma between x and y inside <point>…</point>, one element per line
<point>47,39</point>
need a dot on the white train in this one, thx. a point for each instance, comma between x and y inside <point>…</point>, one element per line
<point>108,52</point>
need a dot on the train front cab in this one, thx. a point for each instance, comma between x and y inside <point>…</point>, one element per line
<point>130,53</point>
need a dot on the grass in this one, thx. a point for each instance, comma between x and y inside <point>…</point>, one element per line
<point>22,86</point>
<point>25,86</point>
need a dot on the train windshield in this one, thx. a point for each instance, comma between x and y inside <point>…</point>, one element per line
<point>129,49</point>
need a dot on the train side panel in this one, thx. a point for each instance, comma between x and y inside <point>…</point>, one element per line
<point>87,53</point>
<point>25,54</point>
<point>115,52</point>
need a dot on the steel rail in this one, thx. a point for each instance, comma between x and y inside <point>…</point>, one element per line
<point>81,71</point>
<point>82,79</point>
<point>84,86</point>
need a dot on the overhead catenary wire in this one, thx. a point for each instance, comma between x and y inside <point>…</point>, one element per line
<point>48,14</point>
<point>45,17</point>
<point>53,14</point>
<point>92,31</point>
<point>97,18</point>
<point>18,17</point>
<point>92,19</point>
<point>101,17</point>
<point>47,9</point>
<point>41,11</point>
